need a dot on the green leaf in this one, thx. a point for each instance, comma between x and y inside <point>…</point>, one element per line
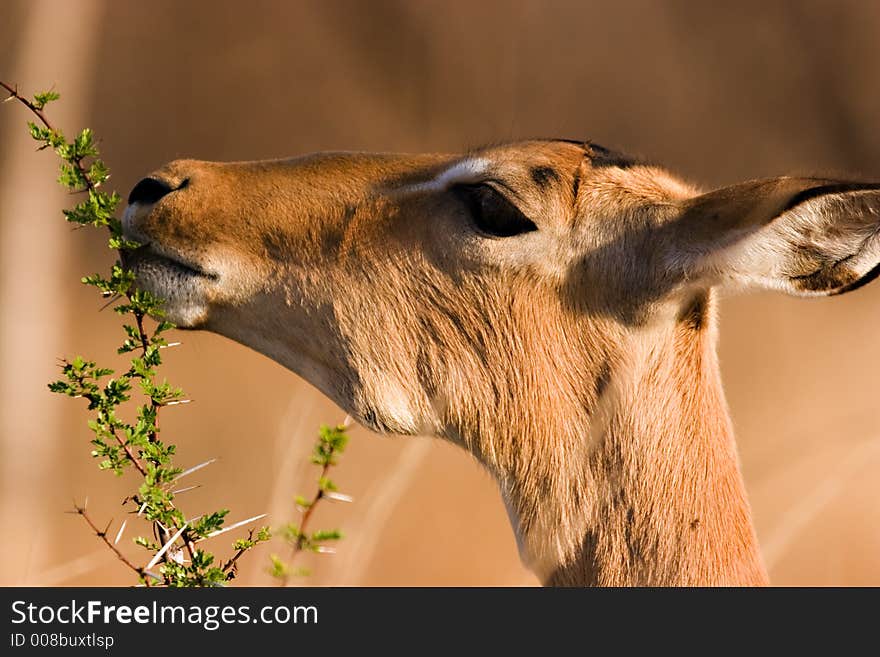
<point>150,545</point>
<point>326,535</point>
<point>263,534</point>
<point>98,173</point>
<point>44,98</point>
<point>209,523</point>
<point>325,484</point>
<point>279,568</point>
<point>83,145</point>
<point>122,244</point>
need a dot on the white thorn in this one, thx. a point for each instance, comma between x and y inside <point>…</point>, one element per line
<point>347,422</point>
<point>323,549</point>
<point>141,510</point>
<point>178,401</point>
<point>119,533</point>
<point>339,497</point>
<point>169,345</point>
<point>184,490</point>
<point>194,468</point>
<point>235,526</point>
<point>165,547</point>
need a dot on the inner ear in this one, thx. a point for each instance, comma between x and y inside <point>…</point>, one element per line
<point>855,285</point>
<point>805,236</point>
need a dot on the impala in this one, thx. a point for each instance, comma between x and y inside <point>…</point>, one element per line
<point>547,305</point>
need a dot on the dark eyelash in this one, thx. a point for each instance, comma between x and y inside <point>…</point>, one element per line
<point>492,212</point>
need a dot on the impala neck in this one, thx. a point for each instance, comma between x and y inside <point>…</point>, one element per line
<point>644,488</point>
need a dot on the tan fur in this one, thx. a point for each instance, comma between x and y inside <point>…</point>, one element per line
<point>576,362</point>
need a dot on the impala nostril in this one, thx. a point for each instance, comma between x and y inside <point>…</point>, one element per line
<point>148,190</point>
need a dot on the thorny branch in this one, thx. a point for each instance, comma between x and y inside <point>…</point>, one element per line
<point>153,463</point>
<point>331,443</point>
<point>102,534</point>
<point>13,94</point>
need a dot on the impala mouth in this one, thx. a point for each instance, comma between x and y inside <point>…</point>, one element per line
<point>185,288</point>
<point>147,257</point>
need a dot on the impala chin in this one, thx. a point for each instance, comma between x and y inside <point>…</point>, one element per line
<point>185,288</point>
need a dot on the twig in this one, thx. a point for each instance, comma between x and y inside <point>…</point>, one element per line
<point>307,514</point>
<point>102,534</point>
<point>90,186</point>
<point>330,444</point>
<point>13,93</point>
<point>135,461</point>
<point>98,211</point>
<point>145,345</point>
<point>229,566</point>
<point>302,536</point>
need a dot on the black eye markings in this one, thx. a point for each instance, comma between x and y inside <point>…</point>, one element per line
<point>543,176</point>
<point>492,213</point>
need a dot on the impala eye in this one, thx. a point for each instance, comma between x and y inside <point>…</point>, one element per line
<point>492,212</point>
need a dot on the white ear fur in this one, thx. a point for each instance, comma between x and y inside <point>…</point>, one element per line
<point>802,236</point>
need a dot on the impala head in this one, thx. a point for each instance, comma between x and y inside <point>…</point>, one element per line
<point>422,293</point>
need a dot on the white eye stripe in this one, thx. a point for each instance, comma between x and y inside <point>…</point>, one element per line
<point>470,170</point>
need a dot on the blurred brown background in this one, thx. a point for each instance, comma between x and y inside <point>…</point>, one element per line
<point>717,91</point>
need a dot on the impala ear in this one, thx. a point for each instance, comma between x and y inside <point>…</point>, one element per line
<point>804,236</point>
